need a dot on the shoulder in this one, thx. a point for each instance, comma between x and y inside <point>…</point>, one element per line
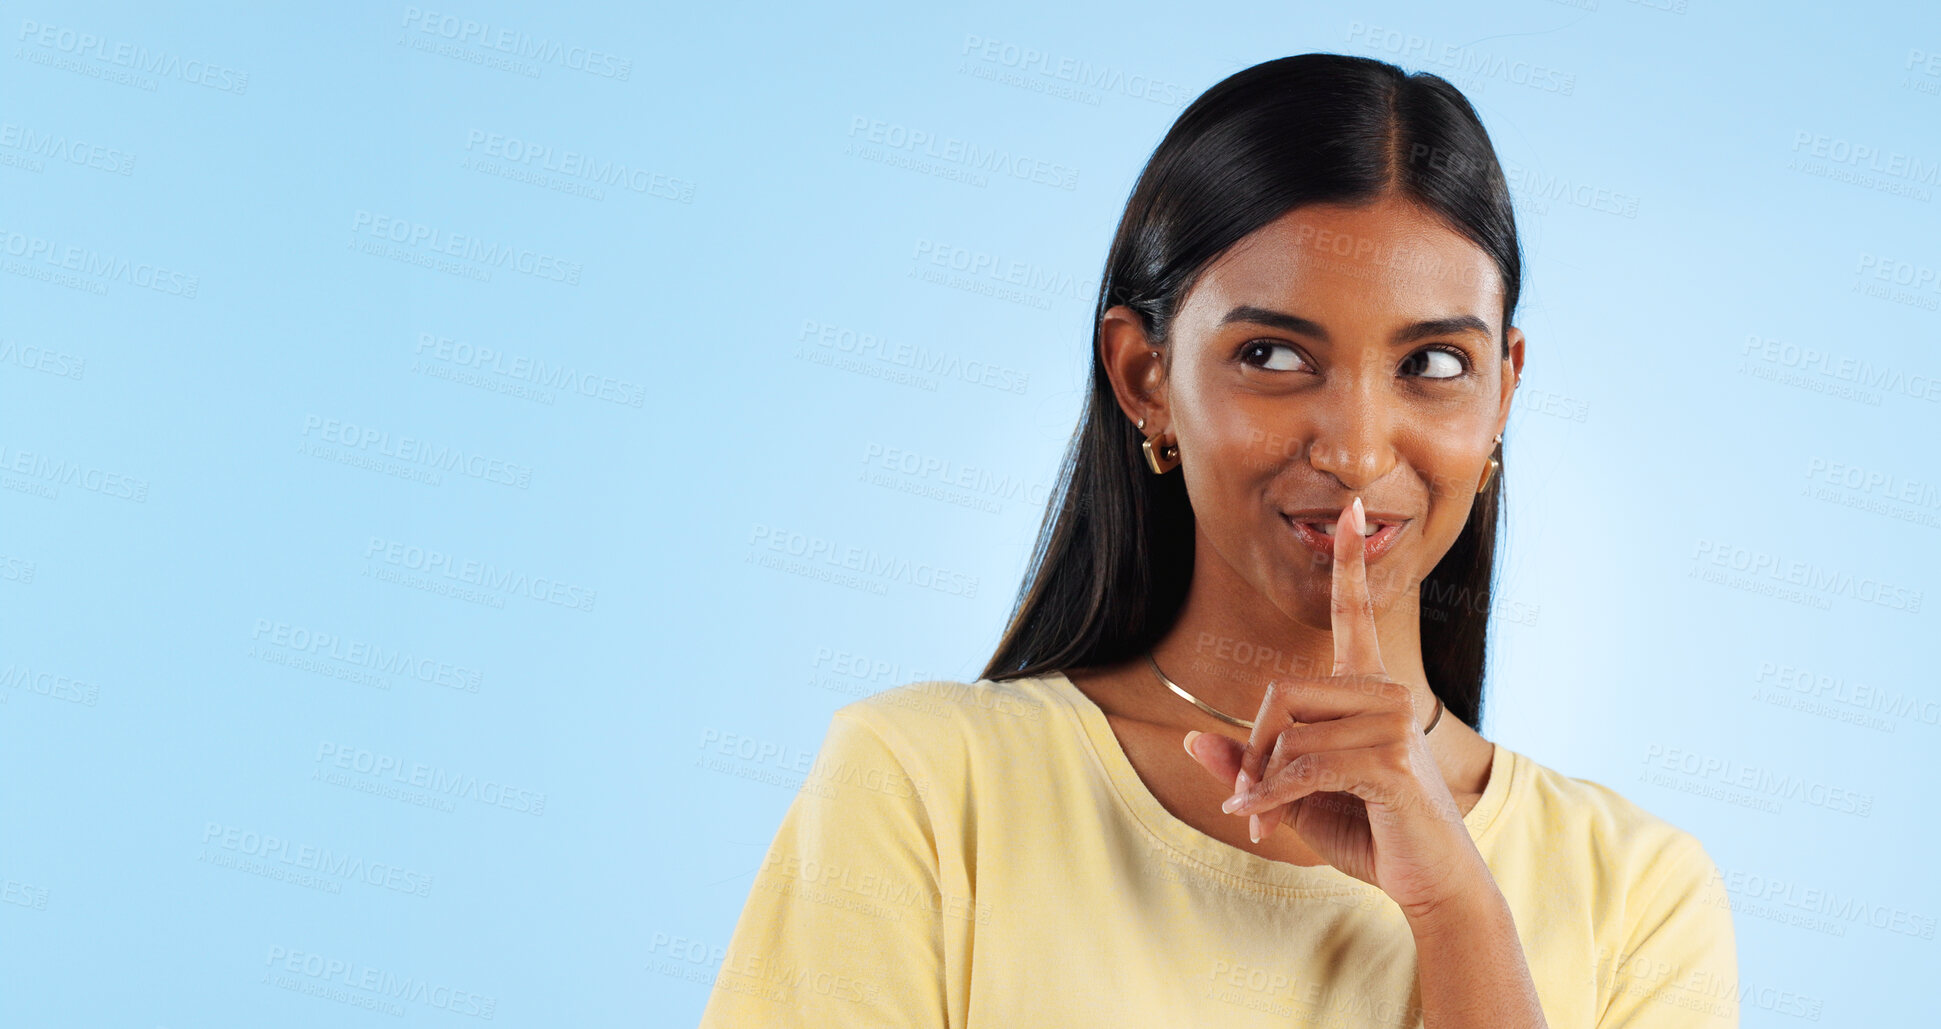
<point>950,701</point>
<point>1632,851</point>
<point>940,723</point>
<point>1659,915</point>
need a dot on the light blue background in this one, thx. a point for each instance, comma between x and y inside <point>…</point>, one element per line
<point>182,516</point>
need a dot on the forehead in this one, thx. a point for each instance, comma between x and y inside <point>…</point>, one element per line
<point>1389,261</point>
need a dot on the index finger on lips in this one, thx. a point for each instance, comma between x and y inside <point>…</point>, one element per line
<point>1357,650</point>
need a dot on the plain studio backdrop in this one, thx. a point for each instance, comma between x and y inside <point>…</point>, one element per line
<point>456,460</point>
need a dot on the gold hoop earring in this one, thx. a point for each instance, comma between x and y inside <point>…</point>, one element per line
<point>1161,459</point>
<point>1489,470</point>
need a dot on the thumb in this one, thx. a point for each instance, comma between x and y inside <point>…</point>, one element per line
<point>1219,755</point>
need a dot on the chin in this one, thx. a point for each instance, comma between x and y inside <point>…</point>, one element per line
<point>1307,598</point>
<point>1306,593</point>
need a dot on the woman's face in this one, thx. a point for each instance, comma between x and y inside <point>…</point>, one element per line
<point>1335,352</point>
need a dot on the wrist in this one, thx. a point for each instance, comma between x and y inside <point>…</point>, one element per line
<point>1480,908</point>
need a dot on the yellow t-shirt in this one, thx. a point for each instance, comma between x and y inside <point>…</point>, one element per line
<point>984,855</point>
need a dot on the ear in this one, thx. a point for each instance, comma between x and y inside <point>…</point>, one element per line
<point>1138,376</point>
<point>1512,371</point>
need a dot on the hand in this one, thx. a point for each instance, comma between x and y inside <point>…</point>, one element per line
<point>1345,759</point>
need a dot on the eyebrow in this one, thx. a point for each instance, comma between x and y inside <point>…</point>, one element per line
<point>1406,334</point>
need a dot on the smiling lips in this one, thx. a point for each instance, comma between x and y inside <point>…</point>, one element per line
<point>1315,529</point>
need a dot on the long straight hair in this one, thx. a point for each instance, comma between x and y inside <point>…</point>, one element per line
<point>1114,554</point>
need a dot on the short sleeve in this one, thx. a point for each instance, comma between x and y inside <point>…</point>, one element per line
<point>841,926</point>
<point>1678,967</point>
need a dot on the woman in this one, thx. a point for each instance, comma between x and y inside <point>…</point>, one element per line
<point>1224,768</point>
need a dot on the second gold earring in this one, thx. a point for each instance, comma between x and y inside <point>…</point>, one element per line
<point>1489,470</point>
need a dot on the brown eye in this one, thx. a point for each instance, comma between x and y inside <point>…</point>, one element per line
<point>1436,363</point>
<point>1290,362</point>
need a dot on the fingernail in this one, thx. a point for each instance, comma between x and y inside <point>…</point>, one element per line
<point>1240,784</point>
<point>1190,737</point>
<point>1253,827</point>
<point>1361,518</point>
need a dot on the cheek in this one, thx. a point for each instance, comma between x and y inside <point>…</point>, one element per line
<point>1229,487</point>
<point>1451,474</point>
<point>1234,452</point>
<point>1250,438</point>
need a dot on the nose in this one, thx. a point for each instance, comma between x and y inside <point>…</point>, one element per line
<point>1352,435</point>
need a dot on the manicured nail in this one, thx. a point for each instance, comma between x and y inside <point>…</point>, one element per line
<point>1361,517</point>
<point>1253,827</point>
<point>1190,737</point>
<point>1240,784</point>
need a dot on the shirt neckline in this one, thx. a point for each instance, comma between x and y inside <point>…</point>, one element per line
<point>1224,859</point>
